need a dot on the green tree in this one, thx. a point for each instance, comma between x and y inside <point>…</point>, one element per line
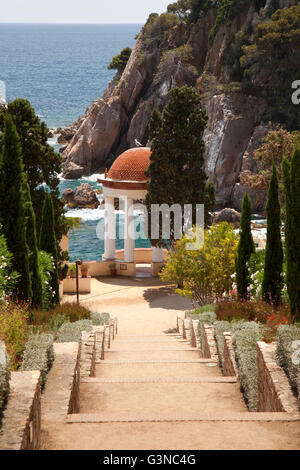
<point>182,8</point>
<point>12,207</point>
<point>205,274</point>
<point>245,249</point>
<point>291,177</point>
<point>42,164</point>
<point>8,278</point>
<point>31,237</point>
<point>176,173</point>
<point>48,242</point>
<point>273,279</point>
<point>119,62</point>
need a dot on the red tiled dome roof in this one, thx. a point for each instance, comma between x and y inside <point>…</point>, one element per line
<point>131,165</point>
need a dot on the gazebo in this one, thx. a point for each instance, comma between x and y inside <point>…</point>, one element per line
<point>126,181</point>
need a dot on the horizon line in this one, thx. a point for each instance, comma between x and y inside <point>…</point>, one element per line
<point>64,23</point>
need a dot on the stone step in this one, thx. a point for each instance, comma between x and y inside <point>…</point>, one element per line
<point>167,361</point>
<point>180,416</point>
<point>150,350</point>
<point>153,380</point>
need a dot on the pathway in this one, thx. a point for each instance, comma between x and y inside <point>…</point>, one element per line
<point>150,376</point>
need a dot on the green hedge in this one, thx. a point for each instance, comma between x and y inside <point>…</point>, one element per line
<point>4,376</point>
<point>100,319</point>
<point>39,355</point>
<point>71,332</point>
<point>222,327</point>
<point>286,355</point>
<point>244,343</point>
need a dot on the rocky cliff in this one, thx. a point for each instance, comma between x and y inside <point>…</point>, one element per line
<point>173,53</point>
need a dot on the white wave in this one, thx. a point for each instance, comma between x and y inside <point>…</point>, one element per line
<point>95,214</point>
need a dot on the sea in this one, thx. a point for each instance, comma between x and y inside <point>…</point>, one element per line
<point>61,70</point>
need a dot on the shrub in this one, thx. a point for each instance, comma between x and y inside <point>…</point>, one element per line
<point>8,278</point>
<point>206,273</point>
<point>171,61</point>
<point>39,355</point>
<point>100,319</point>
<point>71,332</point>
<point>65,312</point>
<point>46,270</point>
<point>4,376</point>
<point>250,311</point>
<point>157,29</point>
<point>285,353</point>
<point>14,330</point>
<point>244,342</point>
<point>119,62</point>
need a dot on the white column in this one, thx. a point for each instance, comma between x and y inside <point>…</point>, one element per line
<point>157,255</point>
<point>110,228</point>
<point>129,231</point>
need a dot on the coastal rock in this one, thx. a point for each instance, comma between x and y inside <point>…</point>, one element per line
<point>227,215</point>
<point>258,198</point>
<point>84,197</point>
<point>234,128</point>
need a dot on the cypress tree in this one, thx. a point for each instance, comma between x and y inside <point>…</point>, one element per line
<point>48,242</point>
<point>176,173</point>
<point>291,178</point>
<point>245,249</point>
<point>31,237</point>
<point>12,208</point>
<point>273,281</point>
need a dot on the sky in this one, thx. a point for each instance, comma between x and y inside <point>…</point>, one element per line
<point>78,11</point>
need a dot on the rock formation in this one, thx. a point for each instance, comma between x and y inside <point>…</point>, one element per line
<point>235,118</point>
<point>227,215</point>
<point>84,197</point>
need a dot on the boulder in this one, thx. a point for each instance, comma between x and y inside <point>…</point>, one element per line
<point>227,215</point>
<point>84,197</point>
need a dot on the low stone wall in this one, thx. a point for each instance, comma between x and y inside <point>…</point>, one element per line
<point>21,425</point>
<point>84,285</point>
<point>210,347</point>
<point>91,347</point>
<point>274,391</point>
<point>61,394</point>
<point>229,362</point>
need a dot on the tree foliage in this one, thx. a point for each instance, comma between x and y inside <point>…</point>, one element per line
<point>48,243</point>
<point>182,8</point>
<point>276,145</point>
<point>245,249</point>
<point>119,62</point>
<point>42,164</point>
<point>12,207</point>
<point>31,238</point>
<point>291,176</point>
<point>8,277</point>
<point>273,280</point>
<point>271,64</point>
<point>176,173</point>
<point>205,274</point>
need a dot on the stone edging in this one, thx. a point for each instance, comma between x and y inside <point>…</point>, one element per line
<point>229,362</point>
<point>274,390</point>
<point>22,417</point>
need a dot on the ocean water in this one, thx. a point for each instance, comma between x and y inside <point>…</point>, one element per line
<point>61,69</point>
